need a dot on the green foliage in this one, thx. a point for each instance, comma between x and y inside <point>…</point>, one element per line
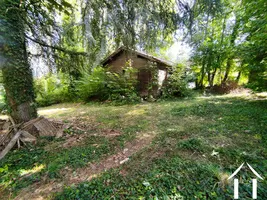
<point>229,45</point>
<point>122,87</point>
<point>2,99</point>
<point>254,49</point>
<point>152,68</point>
<point>177,83</point>
<point>52,161</point>
<point>166,179</point>
<point>17,76</point>
<point>92,85</point>
<point>193,144</point>
<point>23,159</point>
<point>198,142</point>
<point>19,21</point>
<point>257,76</point>
<point>216,58</point>
<point>105,85</point>
<point>52,89</point>
<point>166,170</point>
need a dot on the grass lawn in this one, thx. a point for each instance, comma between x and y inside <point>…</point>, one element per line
<point>194,146</point>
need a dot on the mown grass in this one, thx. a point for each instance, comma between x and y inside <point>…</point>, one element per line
<point>198,144</point>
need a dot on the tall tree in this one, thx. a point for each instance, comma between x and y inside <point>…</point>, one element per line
<point>17,75</point>
<point>215,43</point>
<point>19,20</point>
<point>254,48</point>
<point>132,23</point>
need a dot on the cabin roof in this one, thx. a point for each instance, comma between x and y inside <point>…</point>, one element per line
<point>139,53</point>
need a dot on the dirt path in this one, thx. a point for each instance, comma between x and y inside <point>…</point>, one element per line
<point>43,190</point>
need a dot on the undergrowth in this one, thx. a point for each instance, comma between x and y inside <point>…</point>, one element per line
<point>198,144</point>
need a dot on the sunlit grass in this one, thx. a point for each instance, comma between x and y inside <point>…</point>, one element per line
<point>35,169</point>
<point>136,112</point>
<point>193,139</point>
<point>57,111</point>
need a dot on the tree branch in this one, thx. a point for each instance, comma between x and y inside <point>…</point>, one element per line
<point>56,47</point>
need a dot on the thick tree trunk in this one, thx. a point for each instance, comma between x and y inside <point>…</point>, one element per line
<point>19,92</point>
<point>17,75</point>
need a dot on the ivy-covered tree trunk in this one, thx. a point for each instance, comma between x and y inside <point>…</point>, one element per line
<point>17,75</point>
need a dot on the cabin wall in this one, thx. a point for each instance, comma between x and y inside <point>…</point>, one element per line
<point>117,63</point>
<point>143,75</point>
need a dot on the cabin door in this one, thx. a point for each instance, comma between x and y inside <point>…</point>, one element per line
<point>144,77</point>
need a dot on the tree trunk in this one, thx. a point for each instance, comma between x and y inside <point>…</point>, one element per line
<point>17,75</point>
<point>200,83</point>
<point>238,77</point>
<point>209,78</point>
<point>228,68</point>
<point>212,77</point>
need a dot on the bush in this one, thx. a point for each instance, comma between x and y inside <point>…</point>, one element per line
<point>92,86</point>
<point>52,89</point>
<point>106,85</point>
<point>177,84</point>
<point>258,85</point>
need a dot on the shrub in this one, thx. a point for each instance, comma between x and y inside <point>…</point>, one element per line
<point>177,83</point>
<point>52,89</point>
<point>258,85</point>
<point>122,87</point>
<point>93,85</point>
<point>106,85</point>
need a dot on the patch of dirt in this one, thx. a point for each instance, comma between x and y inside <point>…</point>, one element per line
<point>110,133</point>
<point>84,123</point>
<point>74,140</point>
<point>76,131</point>
<point>148,156</point>
<point>43,189</point>
<point>78,139</point>
<point>193,155</point>
<point>87,173</point>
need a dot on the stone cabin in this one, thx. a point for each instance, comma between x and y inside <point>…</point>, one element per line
<point>140,61</point>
